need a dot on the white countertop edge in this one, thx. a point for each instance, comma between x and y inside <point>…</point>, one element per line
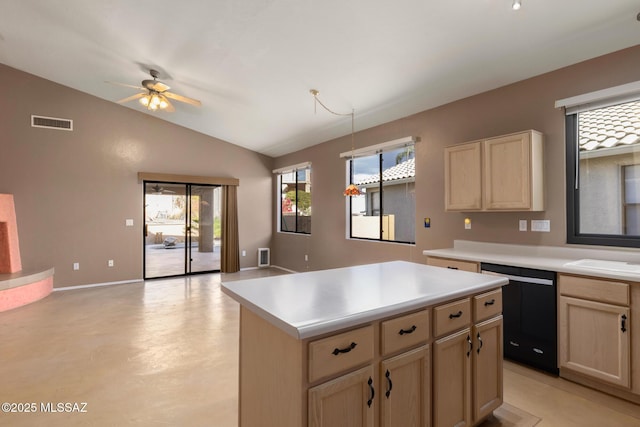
<point>337,324</point>
<point>538,257</point>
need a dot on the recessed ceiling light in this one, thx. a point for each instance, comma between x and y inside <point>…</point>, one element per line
<point>517,4</point>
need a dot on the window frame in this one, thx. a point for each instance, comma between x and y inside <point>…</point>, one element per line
<point>377,150</point>
<point>295,169</point>
<point>574,236</point>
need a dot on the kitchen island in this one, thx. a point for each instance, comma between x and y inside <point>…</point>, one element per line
<point>394,343</point>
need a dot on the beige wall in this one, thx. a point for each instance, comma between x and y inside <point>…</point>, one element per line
<point>524,105</point>
<point>74,190</point>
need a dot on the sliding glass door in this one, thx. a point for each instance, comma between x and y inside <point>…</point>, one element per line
<point>181,230</point>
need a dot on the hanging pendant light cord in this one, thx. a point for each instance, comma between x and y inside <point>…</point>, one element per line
<point>315,94</point>
<point>352,189</point>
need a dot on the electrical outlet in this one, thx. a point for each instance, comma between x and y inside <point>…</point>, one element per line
<point>541,225</point>
<point>306,257</point>
<point>76,266</point>
<point>110,263</point>
<point>523,225</point>
<point>467,223</point>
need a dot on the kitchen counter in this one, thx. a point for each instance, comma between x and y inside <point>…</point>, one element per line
<point>552,258</point>
<point>305,305</point>
<point>313,346</point>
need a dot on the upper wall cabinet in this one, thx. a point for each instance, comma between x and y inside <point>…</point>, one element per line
<point>504,173</point>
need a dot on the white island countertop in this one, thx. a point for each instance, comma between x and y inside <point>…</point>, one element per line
<point>309,304</point>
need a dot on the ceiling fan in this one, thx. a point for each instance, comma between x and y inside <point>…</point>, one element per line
<point>156,189</point>
<point>155,95</point>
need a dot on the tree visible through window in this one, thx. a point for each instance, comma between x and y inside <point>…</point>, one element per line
<point>295,200</point>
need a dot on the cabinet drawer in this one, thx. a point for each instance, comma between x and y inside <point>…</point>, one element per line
<point>404,332</point>
<point>594,289</point>
<point>487,305</point>
<point>453,264</point>
<point>452,316</point>
<point>340,352</point>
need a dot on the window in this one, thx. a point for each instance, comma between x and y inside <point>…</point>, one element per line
<point>386,208</point>
<point>294,201</point>
<point>603,174</point>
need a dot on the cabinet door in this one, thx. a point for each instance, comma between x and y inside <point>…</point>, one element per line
<point>594,339</point>
<point>507,174</point>
<point>452,380</point>
<point>405,389</point>
<point>463,177</point>
<point>487,367</point>
<point>347,401</point>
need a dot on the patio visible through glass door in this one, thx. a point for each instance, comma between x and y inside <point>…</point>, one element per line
<point>204,229</point>
<point>182,229</point>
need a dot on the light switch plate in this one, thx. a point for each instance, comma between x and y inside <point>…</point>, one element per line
<point>129,223</point>
<point>543,225</point>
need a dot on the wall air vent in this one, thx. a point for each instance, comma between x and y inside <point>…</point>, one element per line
<point>263,257</point>
<point>51,123</point>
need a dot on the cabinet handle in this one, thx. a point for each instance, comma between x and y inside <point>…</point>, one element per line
<point>408,331</point>
<point>389,383</point>
<point>515,344</point>
<point>470,345</point>
<point>490,302</point>
<point>373,392</point>
<point>479,340</point>
<point>623,323</point>
<point>452,268</point>
<point>458,314</point>
<point>337,350</point>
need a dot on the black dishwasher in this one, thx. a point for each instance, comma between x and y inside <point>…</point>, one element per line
<point>529,313</point>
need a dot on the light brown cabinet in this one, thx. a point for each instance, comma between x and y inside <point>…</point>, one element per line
<point>594,327</point>
<point>503,173</point>
<point>467,364</point>
<point>452,380</point>
<point>406,389</point>
<point>386,373</point>
<point>487,368</point>
<point>463,177</point>
<point>454,264</point>
<point>346,401</point>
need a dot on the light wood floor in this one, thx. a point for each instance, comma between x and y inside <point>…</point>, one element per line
<point>164,353</point>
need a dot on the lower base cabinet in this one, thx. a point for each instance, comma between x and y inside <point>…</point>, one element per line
<point>346,401</point>
<point>467,375</point>
<point>452,380</point>
<point>405,389</point>
<point>487,368</point>
<point>594,328</point>
<point>389,373</point>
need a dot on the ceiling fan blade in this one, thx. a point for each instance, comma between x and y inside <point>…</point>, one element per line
<point>182,99</point>
<point>125,85</point>
<point>155,85</point>
<point>131,98</point>
<point>169,108</point>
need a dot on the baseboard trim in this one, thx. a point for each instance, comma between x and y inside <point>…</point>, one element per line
<point>96,285</point>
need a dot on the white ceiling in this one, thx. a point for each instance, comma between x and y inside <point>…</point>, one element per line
<point>253,62</point>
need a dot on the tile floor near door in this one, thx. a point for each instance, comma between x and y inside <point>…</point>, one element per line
<point>165,353</point>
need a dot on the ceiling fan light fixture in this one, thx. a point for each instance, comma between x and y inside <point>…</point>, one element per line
<point>145,100</point>
<point>155,100</point>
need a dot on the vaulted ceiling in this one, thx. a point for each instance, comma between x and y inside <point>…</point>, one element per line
<point>253,62</point>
